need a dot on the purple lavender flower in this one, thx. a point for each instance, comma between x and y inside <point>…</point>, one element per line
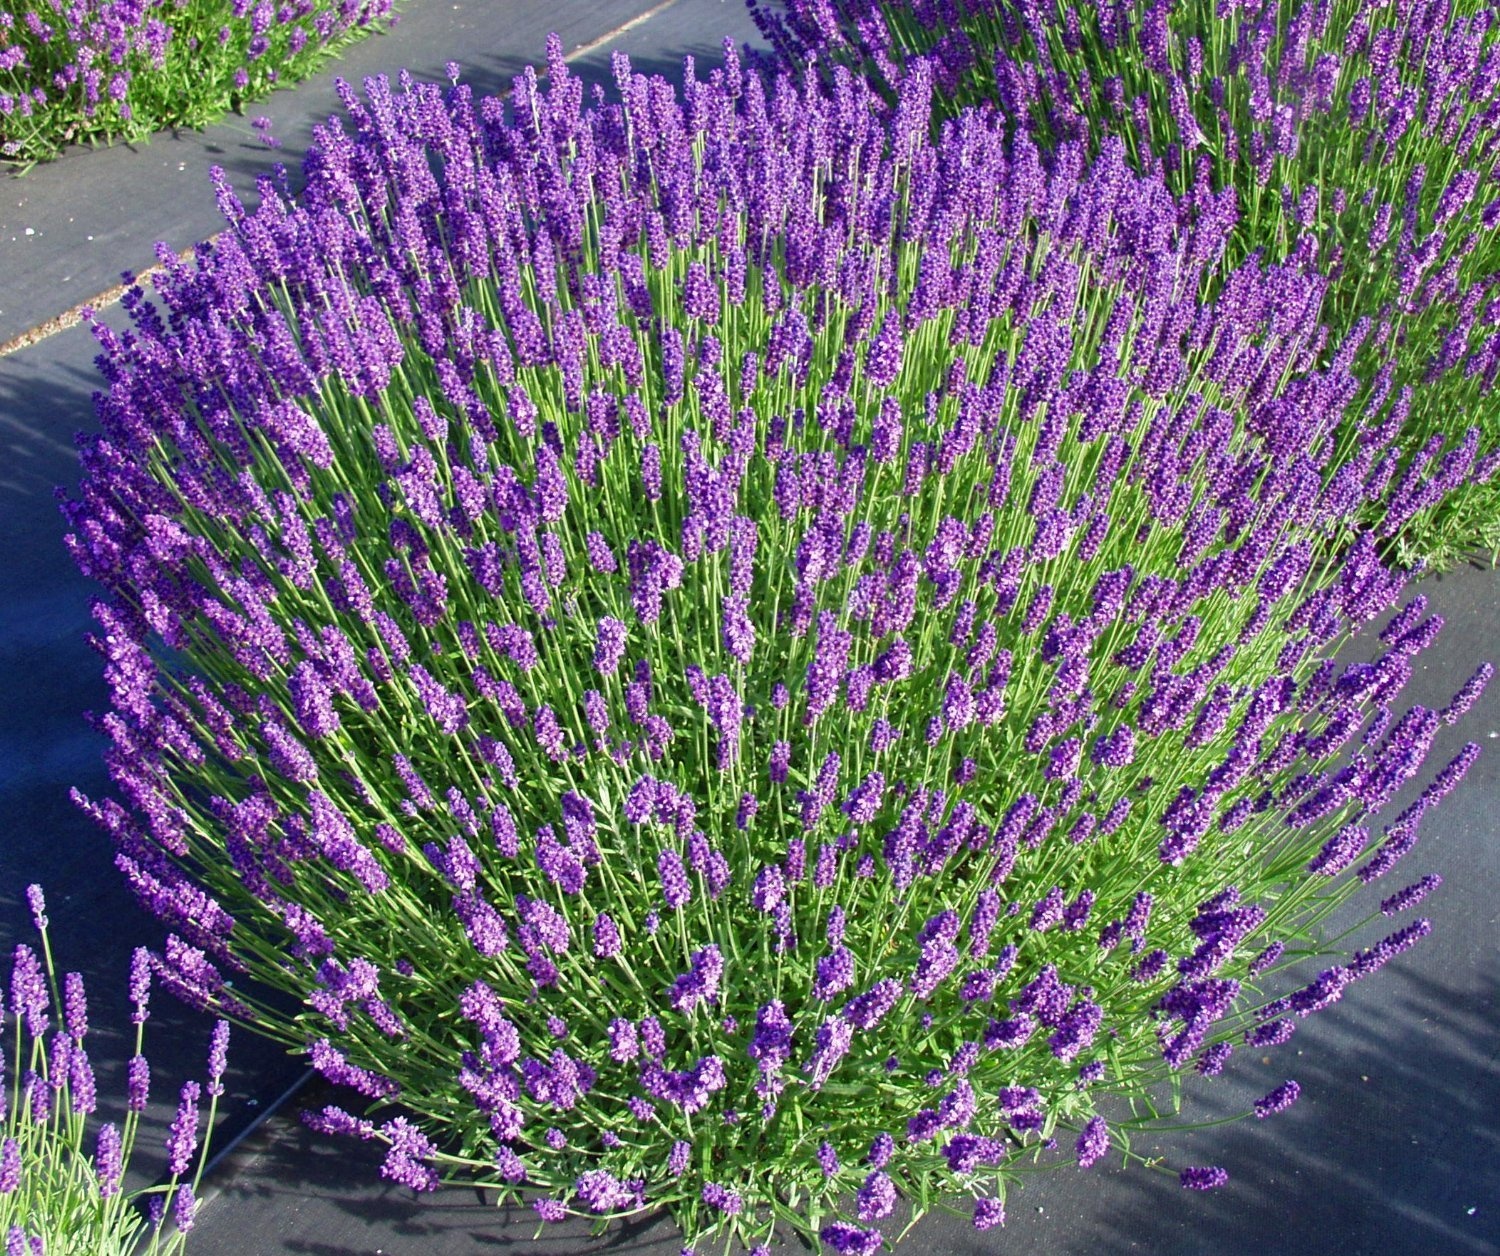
<point>988,1213</point>
<point>312,701</point>
<point>218,1056</point>
<point>609,648</point>
<point>334,1120</point>
<point>828,1159</point>
<point>795,865</point>
<point>1048,910</point>
<point>601,556</point>
<point>1411,895</point>
<point>674,880</point>
<point>1117,749</point>
<point>864,801</point>
<point>137,1083</point>
<point>826,670</point>
<point>37,904</point>
<point>834,973</point>
<point>771,1045</point>
<point>700,983</point>
<point>831,1044</point>
<point>1278,1100</point>
<point>780,762</point>
<point>75,1007</point>
<point>511,1167</point>
<point>1341,850</point>
<point>184,1207</point>
<point>28,991</point>
<point>1214,1059</point>
<point>602,1191</point>
<point>850,1240</point>
<point>876,1198</point>
<point>738,629</point>
<point>606,937</point>
<point>1203,1177</point>
<point>182,1139</point>
<point>1469,694</point>
<point>140,984</point>
<point>1365,962</point>
<point>748,807</point>
<point>939,956</point>
<point>1063,760</point>
<point>1093,1142</point>
<point>109,1163</point>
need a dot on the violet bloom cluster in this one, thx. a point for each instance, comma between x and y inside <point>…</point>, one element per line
<point>652,616</point>
<point>62,1174</point>
<point>1361,137</point>
<point>106,68</point>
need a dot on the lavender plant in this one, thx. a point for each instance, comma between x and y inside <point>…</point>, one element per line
<point>61,1191</point>
<point>737,657</point>
<point>73,70</point>
<point>1361,134</point>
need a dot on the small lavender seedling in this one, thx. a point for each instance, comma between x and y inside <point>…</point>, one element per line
<point>62,1174</point>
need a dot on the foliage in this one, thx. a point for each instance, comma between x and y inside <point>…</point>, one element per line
<point>730,652</point>
<point>55,1196</point>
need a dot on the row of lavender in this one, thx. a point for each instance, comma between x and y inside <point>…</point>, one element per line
<point>74,70</point>
<point>1361,136</point>
<point>746,653</point>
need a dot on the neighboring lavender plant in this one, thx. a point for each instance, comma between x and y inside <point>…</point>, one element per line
<point>73,70</point>
<point>1365,133</point>
<point>703,638</point>
<point>62,1189</point>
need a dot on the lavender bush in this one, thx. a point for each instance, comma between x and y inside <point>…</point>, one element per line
<point>737,657</point>
<point>73,70</point>
<point>63,1192</point>
<point>1360,134</point>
